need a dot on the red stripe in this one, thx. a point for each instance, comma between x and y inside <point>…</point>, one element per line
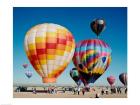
<point>102,43</point>
<point>34,57</point>
<point>61,41</point>
<point>69,37</point>
<point>41,51</point>
<point>51,45</point>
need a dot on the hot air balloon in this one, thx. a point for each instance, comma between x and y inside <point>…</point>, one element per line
<point>49,48</point>
<point>75,76</point>
<point>28,73</point>
<point>25,66</point>
<point>123,78</point>
<point>91,58</point>
<point>97,26</point>
<point>111,80</point>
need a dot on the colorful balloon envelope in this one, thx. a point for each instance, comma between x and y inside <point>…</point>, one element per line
<point>111,80</point>
<point>75,76</point>
<point>49,48</point>
<point>123,78</point>
<point>91,58</point>
<point>28,73</point>
<point>97,26</point>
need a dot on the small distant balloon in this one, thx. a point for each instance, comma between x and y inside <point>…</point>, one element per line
<point>123,78</point>
<point>97,26</point>
<point>28,73</point>
<point>111,80</point>
<point>75,76</point>
<point>25,66</point>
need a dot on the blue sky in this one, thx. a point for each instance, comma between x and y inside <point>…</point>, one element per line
<point>77,20</point>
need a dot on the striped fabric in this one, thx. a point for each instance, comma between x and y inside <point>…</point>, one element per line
<point>92,56</point>
<point>123,78</point>
<point>50,48</point>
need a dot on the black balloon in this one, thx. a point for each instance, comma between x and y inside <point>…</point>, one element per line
<point>123,78</point>
<point>97,26</point>
<point>75,76</point>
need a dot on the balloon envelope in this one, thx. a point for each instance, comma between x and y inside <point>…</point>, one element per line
<point>97,26</point>
<point>49,48</point>
<point>123,78</point>
<point>91,58</point>
<point>111,80</point>
<point>75,76</point>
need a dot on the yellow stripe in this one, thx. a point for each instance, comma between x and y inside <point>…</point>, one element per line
<point>50,57</point>
<point>62,31</point>
<point>95,70</point>
<point>85,70</point>
<point>43,62</point>
<point>32,46</point>
<point>60,52</point>
<point>68,49</point>
<point>98,70</point>
<point>101,71</point>
<point>51,34</point>
<point>40,39</point>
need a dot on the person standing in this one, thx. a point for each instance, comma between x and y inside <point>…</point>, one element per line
<point>125,90</point>
<point>83,91</point>
<point>102,91</point>
<point>34,90</point>
<point>97,95</point>
<point>78,90</point>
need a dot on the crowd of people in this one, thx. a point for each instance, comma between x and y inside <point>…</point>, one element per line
<point>75,90</point>
<point>113,90</point>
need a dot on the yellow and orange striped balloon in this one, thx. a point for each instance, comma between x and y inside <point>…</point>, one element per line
<point>49,48</point>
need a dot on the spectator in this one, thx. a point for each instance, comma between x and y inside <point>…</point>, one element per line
<point>34,90</point>
<point>125,90</point>
<point>97,95</point>
<point>102,91</point>
<point>78,90</point>
<point>83,91</point>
